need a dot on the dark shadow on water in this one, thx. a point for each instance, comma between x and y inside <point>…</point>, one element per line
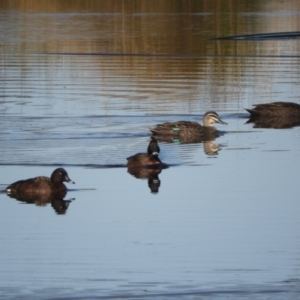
<point>177,55</point>
<point>263,36</point>
<point>88,166</point>
<point>280,291</point>
<point>77,190</point>
<point>96,166</point>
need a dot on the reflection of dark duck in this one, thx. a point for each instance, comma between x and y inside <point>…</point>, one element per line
<point>60,205</point>
<point>149,159</point>
<point>41,199</point>
<point>41,187</point>
<point>150,174</point>
<point>190,130</point>
<point>154,184</point>
<point>276,109</point>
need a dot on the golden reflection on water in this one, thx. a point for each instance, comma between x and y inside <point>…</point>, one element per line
<point>138,50</point>
<point>140,27</point>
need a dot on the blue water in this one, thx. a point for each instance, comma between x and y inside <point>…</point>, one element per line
<point>225,221</point>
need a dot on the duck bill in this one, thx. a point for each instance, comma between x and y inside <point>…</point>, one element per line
<point>67,179</point>
<point>222,122</point>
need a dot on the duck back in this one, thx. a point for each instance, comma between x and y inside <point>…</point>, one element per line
<point>178,128</point>
<point>276,109</point>
<point>143,159</point>
<point>37,185</point>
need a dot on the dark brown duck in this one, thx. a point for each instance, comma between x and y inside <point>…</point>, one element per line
<point>146,159</point>
<point>276,109</point>
<point>41,185</point>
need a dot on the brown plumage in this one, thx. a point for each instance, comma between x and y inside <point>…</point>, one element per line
<point>40,186</point>
<point>274,122</point>
<point>276,109</point>
<point>190,130</point>
<point>143,159</point>
<point>146,159</point>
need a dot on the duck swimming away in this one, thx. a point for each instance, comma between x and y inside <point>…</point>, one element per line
<point>146,159</point>
<point>276,109</point>
<point>189,129</point>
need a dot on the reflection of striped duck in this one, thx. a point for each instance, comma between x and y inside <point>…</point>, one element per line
<point>189,129</point>
<point>146,159</point>
<point>276,109</point>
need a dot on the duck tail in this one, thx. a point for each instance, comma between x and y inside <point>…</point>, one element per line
<point>252,111</point>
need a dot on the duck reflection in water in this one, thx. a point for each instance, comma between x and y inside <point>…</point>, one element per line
<point>209,147</point>
<point>147,165</point>
<point>275,115</point>
<point>43,190</point>
<point>60,205</point>
<point>147,173</point>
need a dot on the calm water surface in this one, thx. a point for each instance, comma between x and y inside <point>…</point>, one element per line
<point>80,86</point>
